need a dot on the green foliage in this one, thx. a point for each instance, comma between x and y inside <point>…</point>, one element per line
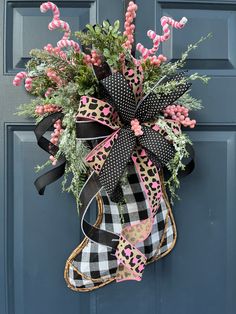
<point>153,74</point>
<point>28,110</point>
<point>190,102</point>
<point>74,152</point>
<point>39,168</point>
<point>175,165</point>
<point>78,79</point>
<point>106,39</point>
<point>41,59</point>
<point>171,68</point>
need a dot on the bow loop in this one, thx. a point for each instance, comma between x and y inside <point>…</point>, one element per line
<point>118,93</point>
<point>157,144</point>
<point>132,125</point>
<point>119,155</point>
<point>153,104</point>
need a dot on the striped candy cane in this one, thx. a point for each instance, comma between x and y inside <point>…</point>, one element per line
<point>57,23</point>
<point>68,43</point>
<point>50,6</point>
<point>28,84</point>
<point>166,21</point>
<point>60,24</point>
<point>157,60</point>
<point>157,39</point>
<point>18,78</point>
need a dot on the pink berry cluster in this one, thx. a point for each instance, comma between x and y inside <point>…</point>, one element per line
<point>56,51</point>
<point>136,127</point>
<point>54,77</point>
<point>94,59</point>
<point>129,26</point>
<point>180,114</point>
<point>50,108</point>
<point>55,138</point>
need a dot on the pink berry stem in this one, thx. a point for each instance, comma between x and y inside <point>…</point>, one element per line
<point>179,114</point>
<point>55,136</point>
<point>129,26</point>
<point>57,51</point>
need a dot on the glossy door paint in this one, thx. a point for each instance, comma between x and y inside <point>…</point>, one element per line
<point>37,233</point>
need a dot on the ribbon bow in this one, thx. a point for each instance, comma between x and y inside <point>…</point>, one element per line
<point>133,123</point>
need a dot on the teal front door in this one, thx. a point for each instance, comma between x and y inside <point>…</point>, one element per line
<point>37,234</point>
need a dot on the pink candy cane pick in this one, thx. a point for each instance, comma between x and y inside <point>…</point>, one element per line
<point>68,43</point>
<point>58,23</point>
<point>165,21</point>
<point>50,6</point>
<point>18,78</point>
<point>54,24</point>
<point>28,83</point>
<point>157,39</point>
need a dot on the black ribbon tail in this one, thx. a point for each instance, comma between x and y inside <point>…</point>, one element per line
<point>90,190</point>
<point>50,176</point>
<point>188,162</point>
<point>54,174</point>
<point>102,71</point>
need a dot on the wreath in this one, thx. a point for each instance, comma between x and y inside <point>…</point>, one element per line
<point>117,140</point>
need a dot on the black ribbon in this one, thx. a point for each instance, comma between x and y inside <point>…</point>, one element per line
<point>54,174</point>
<point>90,190</point>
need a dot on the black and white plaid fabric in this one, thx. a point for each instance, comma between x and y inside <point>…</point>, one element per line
<point>94,264</point>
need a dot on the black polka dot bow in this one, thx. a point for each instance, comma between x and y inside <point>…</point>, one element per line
<point>136,128</point>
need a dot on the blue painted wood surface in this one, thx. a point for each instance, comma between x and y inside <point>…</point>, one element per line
<point>37,233</point>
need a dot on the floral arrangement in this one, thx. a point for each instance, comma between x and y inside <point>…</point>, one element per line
<point>109,111</point>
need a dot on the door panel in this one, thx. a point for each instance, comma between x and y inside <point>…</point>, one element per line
<point>37,234</point>
<point>199,275</point>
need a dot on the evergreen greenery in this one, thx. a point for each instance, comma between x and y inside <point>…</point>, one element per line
<point>80,80</point>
